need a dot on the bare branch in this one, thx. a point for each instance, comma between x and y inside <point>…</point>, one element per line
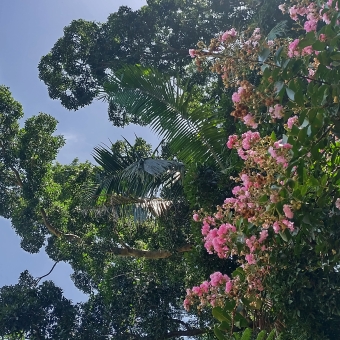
<point>41,277</point>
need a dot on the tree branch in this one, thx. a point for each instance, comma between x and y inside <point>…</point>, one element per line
<point>56,232</point>
<point>148,254</point>
<point>41,277</point>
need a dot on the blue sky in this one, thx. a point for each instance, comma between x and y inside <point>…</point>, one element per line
<point>29,28</point>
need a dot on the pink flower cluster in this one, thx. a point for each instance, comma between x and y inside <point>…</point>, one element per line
<point>312,13</point>
<point>283,224</point>
<point>292,121</point>
<point>218,239</point>
<point>237,96</point>
<point>248,139</point>
<point>227,35</point>
<point>279,152</point>
<point>249,120</point>
<point>294,51</point>
<point>253,41</point>
<point>276,111</point>
<point>337,203</point>
<point>209,293</point>
<point>192,53</point>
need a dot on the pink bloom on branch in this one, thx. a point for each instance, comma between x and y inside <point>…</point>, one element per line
<point>308,50</point>
<point>322,37</point>
<point>288,211</point>
<point>249,121</point>
<point>276,227</point>
<point>289,224</point>
<point>282,8</point>
<point>292,121</point>
<point>263,235</point>
<point>337,203</point>
<point>192,53</point>
<point>276,111</point>
<point>232,140</point>
<point>228,34</point>
<point>293,13</point>
<point>236,98</point>
<point>310,25</point>
<point>292,48</point>
<point>205,229</point>
<point>250,258</point>
<point>228,286</point>
<point>195,217</point>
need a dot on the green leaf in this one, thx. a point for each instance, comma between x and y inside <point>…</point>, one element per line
<point>335,56</point>
<point>246,334</point>
<point>261,335</point>
<point>229,305</point>
<point>290,94</point>
<point>264,54</point>
<point>240,321</point>
<point>278,86</point>
<point>239,272</point>
<point>271,335</point>
<point>319,45</point>
<point>283,236</point>
<point>219,334</point>
<point>220,314</point>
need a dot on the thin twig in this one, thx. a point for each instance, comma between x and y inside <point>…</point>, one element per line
<point>41,277</point>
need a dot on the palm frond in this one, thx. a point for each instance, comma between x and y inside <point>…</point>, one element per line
<point>167,106</point>
<point>278,30</point>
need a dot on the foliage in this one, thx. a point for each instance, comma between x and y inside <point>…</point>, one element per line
<point>283,216</point>
<point>157,35</point>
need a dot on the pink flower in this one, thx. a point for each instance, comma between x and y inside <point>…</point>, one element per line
<point>236,98</point>
<point>307,50</point>
<point>276,227</point>
<point>205,286</point>
<point>337,203</point>
<point>311,74</point>
<point>217,279</point>
<point>250,258</point>
<point>292,121</point>
<point>282,8</point>
<point>205,229</point>
<point>228,34</point>
<point>192,53</point>
<point>228,286</point>
<point>249,120</point>
<point>310,25</point>
<point>288,211</point>
<point>289,224</point>
<point>263,235</point>
<point>195,217</point>
<point>276,111</point>
<point>322,37</point>
<point>232,140</point>
<point>326,18</point>
<point>292,48</point>
<point>293,13</point>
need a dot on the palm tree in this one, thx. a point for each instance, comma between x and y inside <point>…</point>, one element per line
<point>192,130</point>
<point>132,177</point>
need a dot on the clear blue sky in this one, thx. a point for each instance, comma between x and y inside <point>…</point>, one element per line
<point>29,28</point>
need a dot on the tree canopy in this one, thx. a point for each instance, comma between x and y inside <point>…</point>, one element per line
<point>157,35</point>
<point>259,256</point>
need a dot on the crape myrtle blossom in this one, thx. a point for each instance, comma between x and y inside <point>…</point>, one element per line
<point>262,207</point>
